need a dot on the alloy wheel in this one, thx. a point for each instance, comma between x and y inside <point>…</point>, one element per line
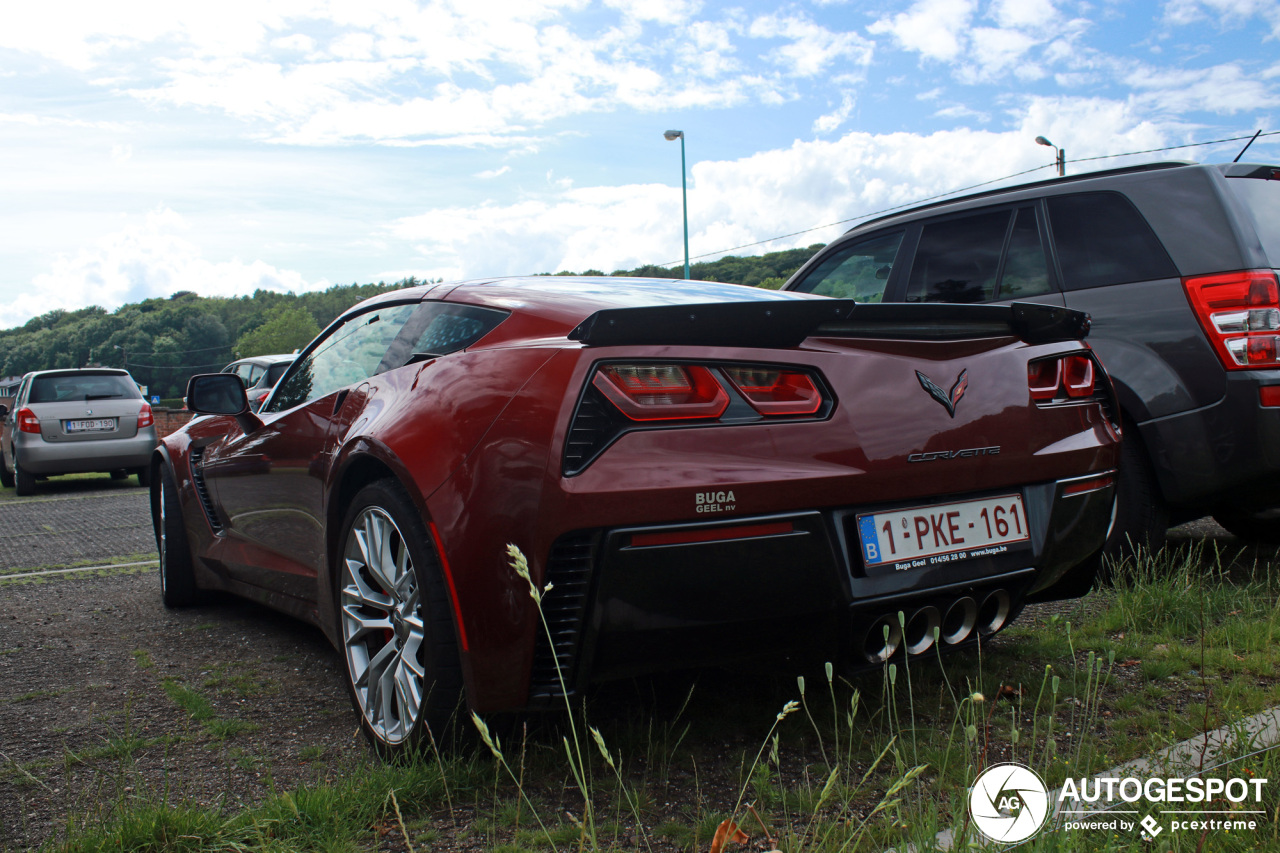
<point>382,626</point>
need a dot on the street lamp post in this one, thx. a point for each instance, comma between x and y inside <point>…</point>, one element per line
<point>1061,152</point>
<point>670,136</point>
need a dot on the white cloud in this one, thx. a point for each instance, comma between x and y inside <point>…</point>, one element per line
<point>737,202</point>
<point>1221,89</point>
<point>492,173</point>
<point>812,48</point>
<point>1227,13</point>
<point>930,27</point>
<point>146,259</point>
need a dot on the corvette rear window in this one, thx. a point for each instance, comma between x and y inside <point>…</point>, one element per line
<point>57,389</point>
<point>439,328</point>
<point>1262,198</point>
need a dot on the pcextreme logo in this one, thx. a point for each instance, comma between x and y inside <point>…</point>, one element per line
<point>1008,802</point>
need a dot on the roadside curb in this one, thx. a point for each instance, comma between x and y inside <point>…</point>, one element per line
<point>1191,757</point>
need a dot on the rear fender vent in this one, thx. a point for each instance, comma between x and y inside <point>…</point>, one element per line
<point>202,491</point>
<point>569,569</point>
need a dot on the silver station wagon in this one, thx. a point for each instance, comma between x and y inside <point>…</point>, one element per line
<point>74,421</point>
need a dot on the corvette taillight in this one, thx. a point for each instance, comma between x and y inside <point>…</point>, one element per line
<point>27,421</point>
<point>1240,314</point>
<point>662,392</point>
<point>145,416</point>
<point>1063,377</point>
<point>776,392</point>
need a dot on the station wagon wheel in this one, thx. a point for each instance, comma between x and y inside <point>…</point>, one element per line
<point>177,574</point>
<point>397,629</point>
<point>24,482</point>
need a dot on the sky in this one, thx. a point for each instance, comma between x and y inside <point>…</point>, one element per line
<point>149,147</point>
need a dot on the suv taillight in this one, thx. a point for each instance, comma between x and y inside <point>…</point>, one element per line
<point>145,416</point>
<point>28,422</point>
<point>1240,313</point>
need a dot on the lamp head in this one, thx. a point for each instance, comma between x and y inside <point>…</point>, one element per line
<point>672,135</point>
<point>1040,140</point>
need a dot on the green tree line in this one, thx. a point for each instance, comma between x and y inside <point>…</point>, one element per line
<point>163,341</point>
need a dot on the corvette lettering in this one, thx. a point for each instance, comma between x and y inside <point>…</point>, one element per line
<point>953,454</point>
<point>714,501</point>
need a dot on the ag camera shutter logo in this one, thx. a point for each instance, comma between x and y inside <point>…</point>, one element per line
<point>1008,803</point>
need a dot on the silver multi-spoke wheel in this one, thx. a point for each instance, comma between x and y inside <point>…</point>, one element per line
<point>382,626</point>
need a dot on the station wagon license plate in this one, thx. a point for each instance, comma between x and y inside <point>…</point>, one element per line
<point>97,425</point>
<point>926,536</point>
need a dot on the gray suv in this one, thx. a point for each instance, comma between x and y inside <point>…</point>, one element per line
<point>1177,265</point>
<point>73,421</point>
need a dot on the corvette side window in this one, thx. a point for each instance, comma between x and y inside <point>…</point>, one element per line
<point>349,354</point>
<point>859,271</point>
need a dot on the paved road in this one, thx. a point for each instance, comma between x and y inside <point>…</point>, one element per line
<point>72,521</point>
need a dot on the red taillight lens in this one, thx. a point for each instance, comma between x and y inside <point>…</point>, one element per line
<point>1070,377</point>
<point>1077,375</point>
<point>1044,377</point>
<point>1240,314</point>
<point>662,392</point>
<point>776,392</point>
<point>145,416</point>
<point>27,421</point>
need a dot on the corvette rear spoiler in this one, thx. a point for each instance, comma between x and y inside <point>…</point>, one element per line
<point>779,325</point>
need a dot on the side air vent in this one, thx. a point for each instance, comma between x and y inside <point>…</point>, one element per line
<point>592,429</point>
<point>197,477</point>
<point>569,572</point>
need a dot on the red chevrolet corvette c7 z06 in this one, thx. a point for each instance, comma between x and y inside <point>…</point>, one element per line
<point>696,472</point>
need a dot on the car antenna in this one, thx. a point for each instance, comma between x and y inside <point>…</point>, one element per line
<point>1246,146</point>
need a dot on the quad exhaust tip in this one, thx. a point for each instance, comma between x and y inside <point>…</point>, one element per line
<point>994,612</point>
<point>916,633</point>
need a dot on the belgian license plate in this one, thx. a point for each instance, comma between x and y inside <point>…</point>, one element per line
<point>97,425</point>
<point>926,536</point>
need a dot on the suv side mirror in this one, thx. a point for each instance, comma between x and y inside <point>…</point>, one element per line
<point>221,394</point>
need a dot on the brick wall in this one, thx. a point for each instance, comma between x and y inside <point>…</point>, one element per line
<point>170,420</point>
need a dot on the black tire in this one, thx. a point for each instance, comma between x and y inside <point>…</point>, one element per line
<point>6,476</point>
<point>24,482</point>
<point>413,617</point>
<point>177,571</point>
<point>1251,525</point>
<point>1142,518</point>
<point>144,475</point>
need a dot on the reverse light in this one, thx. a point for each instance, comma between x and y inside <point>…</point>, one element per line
<point>145,416</point>
<point>1240,314</point>
<point>27,421</point>
<point>776,392</point>
<point>662,392</point>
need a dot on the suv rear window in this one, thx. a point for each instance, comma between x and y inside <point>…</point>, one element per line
<point>1102,240</point>
<point>1262,198</point>
<point>57,389</point>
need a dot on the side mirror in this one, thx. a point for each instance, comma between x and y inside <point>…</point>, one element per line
<point>221,394</point>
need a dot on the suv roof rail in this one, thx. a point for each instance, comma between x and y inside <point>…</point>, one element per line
<point>1142,167</point>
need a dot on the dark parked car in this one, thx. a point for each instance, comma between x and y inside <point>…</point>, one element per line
<point>75,421</point>
<point>696,473</point>
<point>1176,265</point>
<point>260,373</point>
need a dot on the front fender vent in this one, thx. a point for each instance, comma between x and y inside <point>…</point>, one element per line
<point>569,569</point>
<point>202,491</point>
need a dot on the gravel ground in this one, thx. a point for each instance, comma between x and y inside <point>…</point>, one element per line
<point>84,662</point>
<point>90,664</point>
